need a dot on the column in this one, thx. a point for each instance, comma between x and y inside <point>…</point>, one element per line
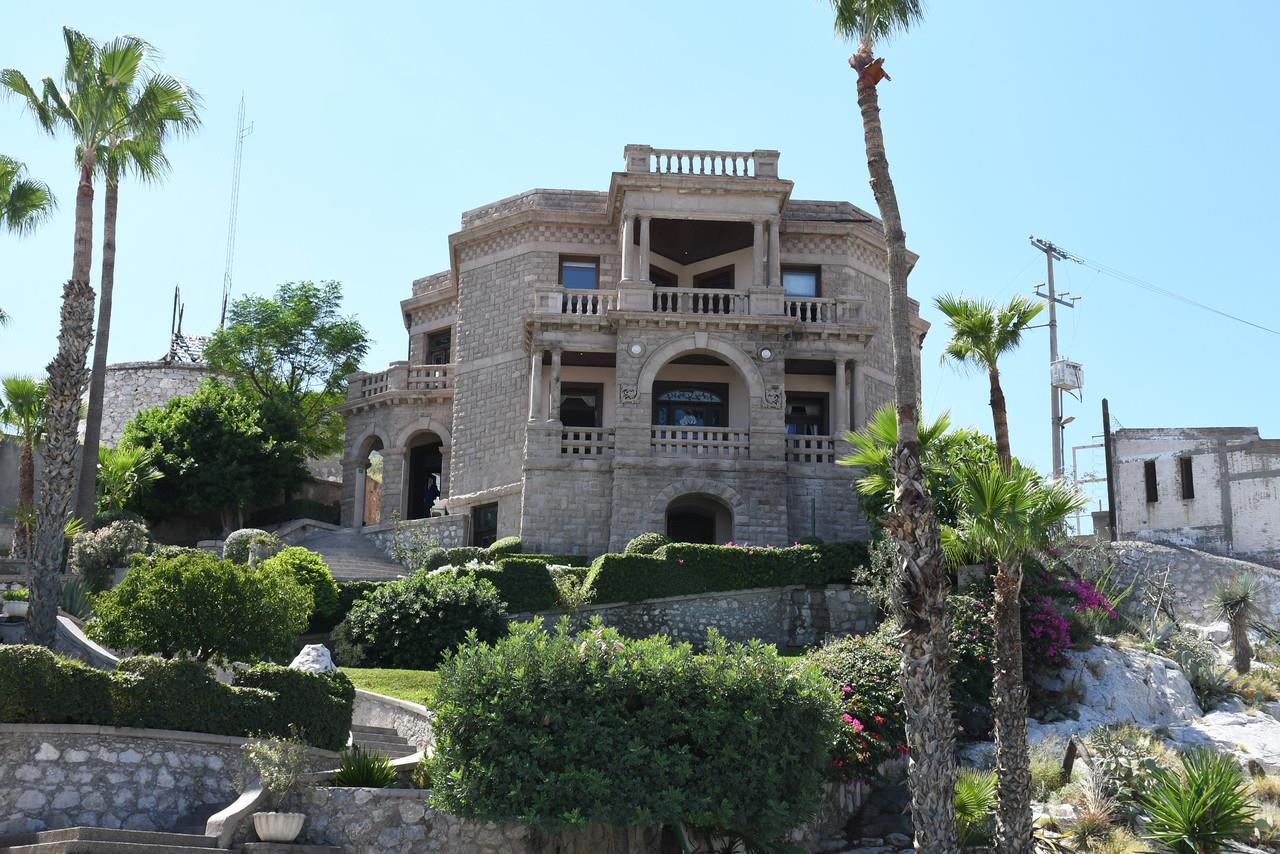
<point>775,252</point>
<point>445,453</point>
<point>555,385</point>
<point>757,254</point>
<point>535,386</point>
<point>644,248</point>
<point>860,413</point>
<point>840,420</point>
<point>357,513</point>
<point>628,238</point>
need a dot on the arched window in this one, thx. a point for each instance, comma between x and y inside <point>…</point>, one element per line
<point>678,404</point>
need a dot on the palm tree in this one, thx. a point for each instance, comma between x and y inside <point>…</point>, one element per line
<point>138,148</point>
<point>24,202</point>
<point>22,408</point>
<point>1236,601</point>
<point>123,474</point>
<point>1006,513</point>
<point>920,585</point>
<point>981,332</point>
<point>95,82</point>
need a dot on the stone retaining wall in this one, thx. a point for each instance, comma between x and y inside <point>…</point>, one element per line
<point>450,531</point>
<point>64,775</point>
<point>411,721</point>
<point>787,616</point>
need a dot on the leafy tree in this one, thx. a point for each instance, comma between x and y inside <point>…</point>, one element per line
<point>124,475</point>
<point>150,112</point>
<point>22,408</point>
<point>213,454</point>
<point>920,585</point>
<point>24,202</point>
<point>981,332</point>
<point>293,352</point>
<point>198,606</point>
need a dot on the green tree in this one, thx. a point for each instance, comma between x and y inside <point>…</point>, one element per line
<point>124,475</point>
<point>293,351</point>
<point>198,606</point>
<point>22,408</point>
<point>154,110</point>
<point>981,332</point>
<point>1007,512</point>
<point>921,582</point>
<point>96,79</point>
<point>213,454</point>
<point>24,202</point>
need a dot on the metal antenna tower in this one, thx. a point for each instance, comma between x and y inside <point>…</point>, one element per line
<point>242,131</point>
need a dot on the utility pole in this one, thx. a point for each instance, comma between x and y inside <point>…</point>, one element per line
<point>1052,252</point>
<point>242,131</point>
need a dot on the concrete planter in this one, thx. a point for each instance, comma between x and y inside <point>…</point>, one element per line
<point>15,609</point>
<point>278,826</point>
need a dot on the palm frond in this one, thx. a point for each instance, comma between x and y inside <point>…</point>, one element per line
<point>875,20</point>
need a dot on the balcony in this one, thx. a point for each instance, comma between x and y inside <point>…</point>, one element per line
<point>592,442</point>
<point>401,382</point>
<point>760,163</point>
<point>700,301</point>
<point>811,449</point>
<point>721,443</point>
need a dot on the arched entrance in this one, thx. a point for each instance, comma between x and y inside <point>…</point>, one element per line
<point>368,490</point>
<point>699,519</point>
<point>423,480</point>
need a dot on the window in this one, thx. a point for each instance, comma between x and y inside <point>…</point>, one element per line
<point>662,278</point>
<point>484,525</point>
<point>1149,472</point>
<point>806,415</point>
<point>438,344</point>
<point>721,279</point>
<point>580,404</point>
<point>690,404</point>
<point>801,281</point>
<point>579,273</point>
<point>1188,482</point>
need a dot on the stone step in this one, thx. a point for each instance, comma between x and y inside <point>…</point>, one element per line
<point>357,729</point>
<point>92,846</point>
<point>102,840</point>
<point>391,750</point>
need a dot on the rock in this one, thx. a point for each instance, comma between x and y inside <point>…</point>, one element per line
<point>898,840</point>
<point>977,754</point>
<point>47,753</point>
<point>1219,632</point>
<point>314,658</point>
<point>1253,737</point>
<point>1230,704</point>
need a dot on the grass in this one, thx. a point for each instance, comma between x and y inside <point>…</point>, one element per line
<point>416,686</point>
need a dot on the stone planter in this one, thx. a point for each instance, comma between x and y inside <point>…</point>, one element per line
<point>15,609</point>
<point>278,826</point>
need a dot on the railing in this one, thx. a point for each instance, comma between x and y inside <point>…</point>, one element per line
<point>586,442</point>
<point>401,377</point>
<point>811,309</point>
<point>811,449</point>
<point>588,303</point>
<point>704,442</point>
<point>369,385</point>
<point>760,163</point>
<point>430,377</point>
<point>700,301</point>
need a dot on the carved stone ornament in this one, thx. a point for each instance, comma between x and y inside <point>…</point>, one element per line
<point>630,394</point>
<point>773,397</point>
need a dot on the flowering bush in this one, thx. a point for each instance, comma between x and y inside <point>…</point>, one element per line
<point>1048,633</point>
<point>95,555</point>
<point>1088,597</point>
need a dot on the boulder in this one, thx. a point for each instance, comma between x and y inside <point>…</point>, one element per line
<point>1251,736</point>
<point>314,658</point>
<point>1219,632</point>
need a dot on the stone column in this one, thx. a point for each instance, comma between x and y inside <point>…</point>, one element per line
<point>445,453</point>
<point>840,419</point>
<point>554,414</point>
<point>395,467</point>
<point>757,254</point>
<point>535,386</point>
<point>628,239</point>
<point>775,252</point>
<point>860,413</point>
<point>644,248</point>
<point>357,514</point>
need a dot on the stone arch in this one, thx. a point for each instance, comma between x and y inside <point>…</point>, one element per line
<point>699,486</point>
<point>364,444</point>
<point>424,425</point>
<point>720,504</point>
<point>701,342</point>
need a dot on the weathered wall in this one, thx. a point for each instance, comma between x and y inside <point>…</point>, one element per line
<point>450,531</point>
<point>134,386</point>
<point>411,721</point>
<point>64,775</point>
<point>821,502</point>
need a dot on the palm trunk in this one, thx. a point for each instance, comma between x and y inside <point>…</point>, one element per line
<point>86,497</point>
<point>1009,710</point>
<point>26,498</point>
<point>66,378</point>
<point>1242,650</point>
<point>1000,417</point>
<point>920,585</point>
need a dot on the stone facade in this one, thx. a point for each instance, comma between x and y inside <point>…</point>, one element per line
<point>134,386</point>
<point>732,336</point>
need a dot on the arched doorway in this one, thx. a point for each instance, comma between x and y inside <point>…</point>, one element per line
<point>423,480</point>
<point>699,519</point>
<point>369,483</point>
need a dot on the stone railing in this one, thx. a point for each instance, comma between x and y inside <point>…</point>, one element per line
<point>700,301</point>
<point>760,163</point>
<point>430,377</point>
<point>401,376</point>
<point>704,442</point>
<point>811,449</point>
<point>589,303</point>
<point>811,309</point>
<point>586,442</point>
<point>368,385</point>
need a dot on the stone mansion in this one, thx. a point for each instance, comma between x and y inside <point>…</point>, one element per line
<point>680,353</point>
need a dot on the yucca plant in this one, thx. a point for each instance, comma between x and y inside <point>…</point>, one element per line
<point>1236,602</point>
<point>74,598</point>
<point>975,804</point>
<point>364,770</point>
<point>1203,808</point>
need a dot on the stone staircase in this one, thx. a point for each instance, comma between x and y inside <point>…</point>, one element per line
<point>100,840</point>
<point>381,739</point>
<point>352,556</point>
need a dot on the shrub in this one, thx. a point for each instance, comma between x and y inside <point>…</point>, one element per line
<point>1123,760</point>
<point>174,694</point>
<point>1201,809</point>
<point>432,559</point>
<point>414,621</point>
<point>975,806</point>
<point>360,769</point>
<point>646,544</point>
<point>421,775</point>
<point>972,637</point>
<point>281,764</point>
<point>236,547</point>
<point>45,688</point>
<point>524,585</point>
<point>96,554</point>
<point>414,546</point>
<point>317,706</point>
<point>198,606</point>
<point>555,729</point>
<point>309,570</point>
<point>463,555</point>
<point>1046,768</point>
<point>74,598</point>
<point>17,594</point>
<point>503,546</point>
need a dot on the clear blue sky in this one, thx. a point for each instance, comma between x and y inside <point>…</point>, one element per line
<point>1141,139</point>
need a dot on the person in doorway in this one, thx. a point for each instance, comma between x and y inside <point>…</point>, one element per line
<point>433,491</point>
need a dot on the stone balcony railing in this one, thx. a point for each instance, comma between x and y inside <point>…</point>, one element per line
<point>700,301</point>
<point>642,297</point>
<point>701,442</point>
<point>586,442</point>
<point>760,163</point>
<point>811,449</point>
<point>427,380</point>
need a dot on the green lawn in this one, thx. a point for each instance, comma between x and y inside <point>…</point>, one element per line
<point>416,686</point>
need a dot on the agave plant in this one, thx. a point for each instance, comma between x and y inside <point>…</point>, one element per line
<point>975,804</point>
<point>361,769</point>
<point>1236,602</point>
<point>1200,810</point>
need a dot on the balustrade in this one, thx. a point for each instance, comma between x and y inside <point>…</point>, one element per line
<point>760,163</point>
<point>586,442</point>
<point>430,377</point>
<point>588,303</point>
<point>811,309</point>
<point>417,378</point>
<point>700,301</point>
<point>811,449</point>
<point>702,442</point>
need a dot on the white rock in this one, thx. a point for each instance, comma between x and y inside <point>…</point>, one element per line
<point>1248,736</point>
<point>314,658</point>
<point>47,752</point>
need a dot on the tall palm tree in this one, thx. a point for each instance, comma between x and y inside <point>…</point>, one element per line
<point>96,79</point>
<point>24,202</point>
<point>137,149</point>
<point>921,584</point>
<point>22,408</point>
<point>981,332</point>
<point>1006,513</point>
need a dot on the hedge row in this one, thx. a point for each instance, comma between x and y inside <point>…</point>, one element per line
<point>182,695</point>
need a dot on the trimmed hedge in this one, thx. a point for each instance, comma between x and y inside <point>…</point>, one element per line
<point>646,544</point>
<point>177,694</point>
<point>523,582</point>
<point>504,546</point>
<point>463,555</point>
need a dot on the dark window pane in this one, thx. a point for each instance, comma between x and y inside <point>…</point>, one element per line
<point>582,275</point>
<point>484,525</point>
<point>1149,474</point>
<point>1188,481</point>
